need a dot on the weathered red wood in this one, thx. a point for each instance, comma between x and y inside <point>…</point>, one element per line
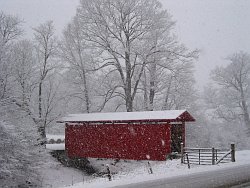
<point>122,141</point>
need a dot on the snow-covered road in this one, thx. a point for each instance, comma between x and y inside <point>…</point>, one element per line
<point>219,178</point>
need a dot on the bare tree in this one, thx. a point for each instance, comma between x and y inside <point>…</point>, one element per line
<point>24,72</point>
<point>75,52</point>
<point>45,43</point>
<point>119,28</point>
<point>24,79</point>
<point>178,89</point>
<point>232,82</point>
<point>10,30</point>
<point>169,63</point>
<point>171,78</point>
<point>52,98</point>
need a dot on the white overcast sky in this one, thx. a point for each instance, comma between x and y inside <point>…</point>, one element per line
<point>217,27</point>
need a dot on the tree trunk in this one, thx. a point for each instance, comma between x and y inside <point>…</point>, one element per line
<point>145,96</point>
<point>40,100</point>
<point>152,86</point>
<point>129,104</point>
<point>42,133</point>
<point>128,86</point>
<point>245,111</point>
<point>41,130</point>
<point>86,92</point>
<point>151,95</point>
<point>41,125</point>
<point>244,107</point>
<point>165,105</point>
<point>128,93</point>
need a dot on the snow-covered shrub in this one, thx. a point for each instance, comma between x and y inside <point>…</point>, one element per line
<point>16,168</point>
<point>79,163</point>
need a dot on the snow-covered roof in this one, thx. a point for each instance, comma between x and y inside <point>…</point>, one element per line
<point>128,116</point>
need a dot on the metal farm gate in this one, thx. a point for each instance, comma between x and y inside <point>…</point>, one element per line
<point>207,156</point>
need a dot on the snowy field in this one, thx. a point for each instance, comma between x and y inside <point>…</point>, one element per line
<point>129,172</point>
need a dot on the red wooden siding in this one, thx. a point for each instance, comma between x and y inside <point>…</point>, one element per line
<point>122,141</point>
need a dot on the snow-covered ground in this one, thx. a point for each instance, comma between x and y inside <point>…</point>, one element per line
<point>54,174</point>
<point>137,171</point>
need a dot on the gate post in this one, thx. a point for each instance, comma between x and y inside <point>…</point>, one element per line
<point>108,172</point>
<point>213,156</point>
<point>188,161</point>
<point>182,153</point>
<point>233,152</point>
<point>150,170</point>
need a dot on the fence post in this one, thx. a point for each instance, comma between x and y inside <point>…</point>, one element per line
<point>188,161</point>
<point>213,156</point>
<point>109,173</point>
<point>216,154</point>
<point>182,153</point>
<point>233,152</point>
<point>150,170</point>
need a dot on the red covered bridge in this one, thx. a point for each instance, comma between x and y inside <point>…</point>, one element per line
<point>147,135</point>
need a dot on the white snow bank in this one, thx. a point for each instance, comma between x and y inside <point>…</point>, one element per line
<point>119,116</point>
<point>160,170</point>
<point>55,146</point>
<point>54,174</point>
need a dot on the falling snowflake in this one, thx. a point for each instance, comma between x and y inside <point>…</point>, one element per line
<point>162,142</point>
